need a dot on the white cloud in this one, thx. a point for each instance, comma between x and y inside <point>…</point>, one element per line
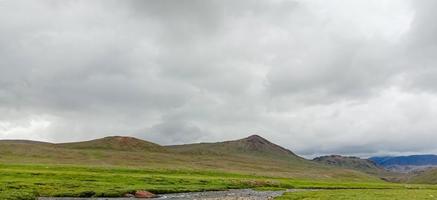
<point>31,128</point>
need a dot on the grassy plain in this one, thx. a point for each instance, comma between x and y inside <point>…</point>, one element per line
<point>27,181</point>
<point>362,194</point>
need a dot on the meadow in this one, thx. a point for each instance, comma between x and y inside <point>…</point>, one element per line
<point>27,181</point>
<point>362,194</point>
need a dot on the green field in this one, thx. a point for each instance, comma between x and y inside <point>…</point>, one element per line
<point>26,181</point>
<point>367,194</point>
<point>73,181</point>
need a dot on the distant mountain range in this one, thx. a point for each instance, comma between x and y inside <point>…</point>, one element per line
<point>406,163</point>
<point>411,169</point>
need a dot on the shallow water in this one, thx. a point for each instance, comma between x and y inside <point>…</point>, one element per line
<point>228,195</point>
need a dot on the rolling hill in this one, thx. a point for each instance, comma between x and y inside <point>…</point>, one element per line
<point>253,145</point>
<point>252,155</point>
<point>114,143</point>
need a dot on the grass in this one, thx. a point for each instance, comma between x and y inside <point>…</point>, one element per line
<point>76,181</point>
<point>27,181</point>
<point>362,194</point>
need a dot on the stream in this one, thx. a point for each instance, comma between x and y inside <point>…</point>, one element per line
<point>237,194</point>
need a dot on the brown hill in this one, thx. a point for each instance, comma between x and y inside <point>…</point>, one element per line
<point>119,143</point>
<point>253,145</point>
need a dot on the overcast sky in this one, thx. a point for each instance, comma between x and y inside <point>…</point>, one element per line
<point>317,76</point>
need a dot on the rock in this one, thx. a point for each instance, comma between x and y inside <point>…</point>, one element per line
<point>144,194</point>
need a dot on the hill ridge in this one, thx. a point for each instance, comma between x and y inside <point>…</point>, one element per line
<point>253,145</point>
<point>351,162</point>
<point>123,143</point>
<point>258,140</point>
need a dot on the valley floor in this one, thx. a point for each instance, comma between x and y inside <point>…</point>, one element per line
<point>362,194</point>
<point>27,181</point>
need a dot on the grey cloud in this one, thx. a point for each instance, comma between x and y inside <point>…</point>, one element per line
<point>420,49</point>
<point>423,31</point>
<point>315,77</point>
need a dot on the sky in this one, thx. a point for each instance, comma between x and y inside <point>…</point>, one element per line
<point>317,77</point>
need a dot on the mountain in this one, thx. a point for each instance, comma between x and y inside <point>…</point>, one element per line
<point>269,157</point>
<point>406,163</point>
<point>252,155</point>
<point>253,145</point>
<point>406,160</point>
<point>119,143</point>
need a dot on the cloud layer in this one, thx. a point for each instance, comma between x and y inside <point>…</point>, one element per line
<point>317,77</point>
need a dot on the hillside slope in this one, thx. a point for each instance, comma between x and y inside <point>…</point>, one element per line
<point>253,145</point>
<point>422,176</point>
<point>120,143</point>
<point>350,162</point>
<point>359,164</point>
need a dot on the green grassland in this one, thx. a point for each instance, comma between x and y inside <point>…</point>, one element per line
<point>361,194</point>
<point>27,181</point>
<point>76,181</point>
